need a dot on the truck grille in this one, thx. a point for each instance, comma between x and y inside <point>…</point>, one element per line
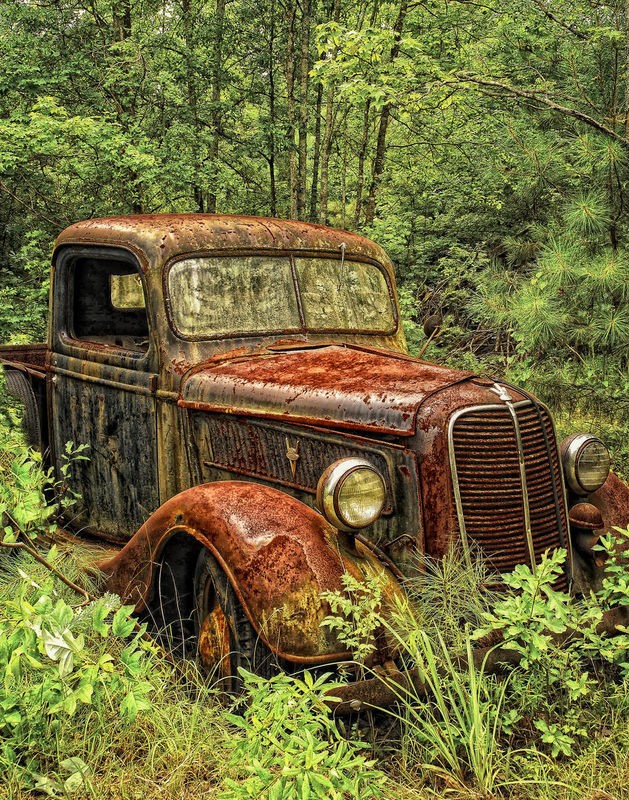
<point>492,495</point>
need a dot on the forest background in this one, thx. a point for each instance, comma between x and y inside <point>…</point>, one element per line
<point>484,144</point>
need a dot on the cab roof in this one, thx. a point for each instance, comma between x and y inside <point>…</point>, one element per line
<point>156,238</point>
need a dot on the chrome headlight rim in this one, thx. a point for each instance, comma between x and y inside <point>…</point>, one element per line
<point>572,450</point>
<point>329,488</point>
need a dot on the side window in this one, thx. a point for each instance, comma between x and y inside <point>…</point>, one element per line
<point>107,305</point>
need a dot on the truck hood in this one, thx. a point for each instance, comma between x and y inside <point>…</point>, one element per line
<point>336,386</point>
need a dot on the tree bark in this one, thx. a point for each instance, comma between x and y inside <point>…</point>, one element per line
<point>627,69</point>
<point>328,136</point>
<point>302,145</point>
<point>271,68</point>
<point>122,20</point>
<point>378,162</point>
<point>362,154</point>
<point>316,158</point>
<point>193,105</point>
<point>216,114</point>
<point>290,112</point>
<point>325,155</point>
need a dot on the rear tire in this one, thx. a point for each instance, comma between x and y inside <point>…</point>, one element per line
<point>18,386</point>
<point>226,638</point>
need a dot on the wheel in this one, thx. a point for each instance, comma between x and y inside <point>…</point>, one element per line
<point>19,387</point>
<point>226,638</point>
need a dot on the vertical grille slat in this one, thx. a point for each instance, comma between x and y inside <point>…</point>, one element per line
<point>487,477</point>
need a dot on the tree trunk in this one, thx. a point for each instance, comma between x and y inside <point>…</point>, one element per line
<point>344,183</point>
<point>216,114</point>
<point>122,20</point>
<point>193,105</point>
<point>271,68</point>
<point>290,112</point>
<point>362,154</point>
<point>325,155</point>
<point>328,136</point>
<point>316,158</point>
<point>378,162</point>
<point>627,69</point>
<point>302,147</point>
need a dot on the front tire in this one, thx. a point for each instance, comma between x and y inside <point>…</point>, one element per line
<point>226,638</point>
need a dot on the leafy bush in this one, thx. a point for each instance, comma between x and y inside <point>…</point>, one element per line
<point>469,728</point>
<point>289,746</point>
<point>24,486</point>
<point>54,666</point>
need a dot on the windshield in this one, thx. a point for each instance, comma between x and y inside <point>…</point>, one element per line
<point>236,295</point>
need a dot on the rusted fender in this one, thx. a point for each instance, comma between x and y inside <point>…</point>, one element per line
<point>612,500</point>
<point>278,554</point>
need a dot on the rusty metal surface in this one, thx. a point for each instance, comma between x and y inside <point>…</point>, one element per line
<point>488,472</point>
<point>612,500</point>
<point>278,554</point>
<point>28,357</point>
<point>256,449</point>
<point>160,237</point>
<point>335,386</point>
<point>587,517</point>
<point>215,644</point>
<point>398,463</point>
<point>506,545</point>
<point>112,410</point>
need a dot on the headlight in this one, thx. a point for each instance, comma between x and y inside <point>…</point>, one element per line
<point>351,494</point>
<point>585,462</point>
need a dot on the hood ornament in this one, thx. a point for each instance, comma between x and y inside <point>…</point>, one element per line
<point>502,393</point>
<point>292,454</point>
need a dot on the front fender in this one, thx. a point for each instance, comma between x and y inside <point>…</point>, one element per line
<point>278,554</point>
<point>612,500</point>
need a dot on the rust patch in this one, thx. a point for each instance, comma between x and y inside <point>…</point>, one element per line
<point>324,386</point>
<point>215,644</point>
<point>612,500</point>
<point>160,237</point>
<point>278,554</point>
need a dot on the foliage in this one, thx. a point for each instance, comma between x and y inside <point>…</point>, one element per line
<point>176,748</point>
<point>24,483</point>
<point>448,597</point>
<point>614,589</point>
<point>355,613</point>
<point>469,728</point>
<point>289,746</point>
<point>455,732</point>
<point>560,718</point>
<point>561,651</point>
<point>50,675</point>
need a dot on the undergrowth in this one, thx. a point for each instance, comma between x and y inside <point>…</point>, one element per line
<point>90,709</point>
<point>532,727</point>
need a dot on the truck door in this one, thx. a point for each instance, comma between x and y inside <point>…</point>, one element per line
<point>104,378</point>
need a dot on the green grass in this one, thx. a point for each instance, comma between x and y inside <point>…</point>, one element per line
<point>453,743</point>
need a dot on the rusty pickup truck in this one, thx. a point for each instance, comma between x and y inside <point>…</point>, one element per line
<point>256,428</point>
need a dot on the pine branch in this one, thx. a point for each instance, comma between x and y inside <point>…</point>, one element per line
<point>538,97</point>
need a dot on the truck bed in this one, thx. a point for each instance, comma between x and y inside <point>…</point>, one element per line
<point>31,358</point>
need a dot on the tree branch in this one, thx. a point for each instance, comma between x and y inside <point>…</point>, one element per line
<point>565,25</point>
<point>32,552</point>
<point>464,77</point>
